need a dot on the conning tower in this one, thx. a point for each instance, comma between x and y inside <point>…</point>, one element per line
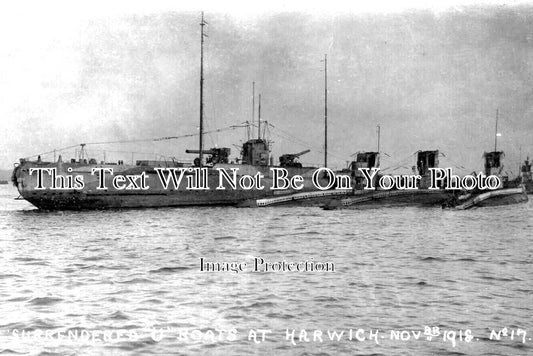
<point>255,152</point>
<point>363,160</point>
<point>493,162</point>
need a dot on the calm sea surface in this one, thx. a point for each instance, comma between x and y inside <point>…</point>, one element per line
<point>129,282</point>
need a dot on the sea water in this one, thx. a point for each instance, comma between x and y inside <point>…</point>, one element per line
<point>130,282</point>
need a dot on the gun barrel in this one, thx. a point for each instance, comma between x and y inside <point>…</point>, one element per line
<point>301,153</point>
<point>209,152</point>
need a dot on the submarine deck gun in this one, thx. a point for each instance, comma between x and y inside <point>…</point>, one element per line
<point>216,155</point>
<point>291,159</point>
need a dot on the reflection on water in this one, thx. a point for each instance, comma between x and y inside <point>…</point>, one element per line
<point>135,275</point>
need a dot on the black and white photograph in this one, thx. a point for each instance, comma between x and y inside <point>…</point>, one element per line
<point>280,178</point>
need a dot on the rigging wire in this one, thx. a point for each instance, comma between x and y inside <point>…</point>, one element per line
<point>399,164</point>
<point>135,141</point>
<point>277,132</point>
<point>457,165</point>
<point>289,137</point>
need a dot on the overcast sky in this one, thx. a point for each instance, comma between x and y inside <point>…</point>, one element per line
<point>432,78</point>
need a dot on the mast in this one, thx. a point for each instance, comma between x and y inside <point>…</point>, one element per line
<point>379,134</point>
<point>253,109</point>
<point>520,161</point>
<point>259,119</point>
<point>496,132</point>
<point>325,110</point>
<point>201,147</point>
